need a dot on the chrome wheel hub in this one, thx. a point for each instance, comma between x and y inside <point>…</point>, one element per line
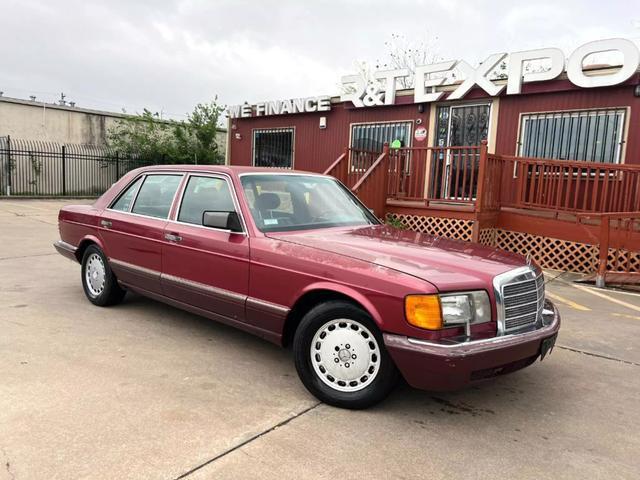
<point>95,274</point>
<point>345,355</point>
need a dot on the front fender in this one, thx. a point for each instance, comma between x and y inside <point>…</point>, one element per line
<point>347,292</point>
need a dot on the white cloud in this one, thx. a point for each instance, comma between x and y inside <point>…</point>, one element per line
<point>170,54</point>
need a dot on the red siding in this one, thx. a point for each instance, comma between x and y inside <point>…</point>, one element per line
<point>315,148</point>
<point>513,105</point>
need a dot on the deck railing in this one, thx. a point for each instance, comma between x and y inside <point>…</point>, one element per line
<point>471,176</point>
<point>352,165</point>
<point>448,174</point>
<point>371,188</point>
<point>617,232</point>
<point>569,186</point>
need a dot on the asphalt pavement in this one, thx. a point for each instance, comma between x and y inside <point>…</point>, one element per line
<point>143,390</point>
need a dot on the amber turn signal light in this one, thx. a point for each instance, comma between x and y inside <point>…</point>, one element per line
<point>423,311</point>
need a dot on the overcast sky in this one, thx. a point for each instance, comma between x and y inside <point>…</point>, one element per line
<point>169,55</point>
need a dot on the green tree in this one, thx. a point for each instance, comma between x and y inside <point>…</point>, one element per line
<point>150,138</point>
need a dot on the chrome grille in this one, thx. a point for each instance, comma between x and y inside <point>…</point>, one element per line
<point>522,296</point>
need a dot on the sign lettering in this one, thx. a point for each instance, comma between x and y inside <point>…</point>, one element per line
<point>381,90</point>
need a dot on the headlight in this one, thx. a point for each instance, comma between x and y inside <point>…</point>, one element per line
<point>434,312</point>
<point>468,307</point>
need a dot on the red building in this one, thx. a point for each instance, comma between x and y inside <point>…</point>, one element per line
<point>559,153</point>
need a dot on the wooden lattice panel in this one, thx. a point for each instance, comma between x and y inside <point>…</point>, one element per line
<point>623,261</point>
<point>550,252</point>
<point>487,237</point>
<point>443,227</point>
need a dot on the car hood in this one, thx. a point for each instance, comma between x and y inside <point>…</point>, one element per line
<point>446,263</point>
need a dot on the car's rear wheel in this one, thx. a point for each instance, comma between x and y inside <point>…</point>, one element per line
<point>340,356</point>
<point>98,281</point>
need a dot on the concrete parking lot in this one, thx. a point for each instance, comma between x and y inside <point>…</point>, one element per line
<point>143,390</point>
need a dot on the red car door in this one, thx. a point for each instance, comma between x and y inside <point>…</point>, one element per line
<point>132,229</point>
<point>201,266</point>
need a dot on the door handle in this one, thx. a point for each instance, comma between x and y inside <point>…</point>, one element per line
<point>105,223</point>
<point>172,237</point>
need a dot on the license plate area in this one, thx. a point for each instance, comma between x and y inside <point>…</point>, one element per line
<point>547,346</point>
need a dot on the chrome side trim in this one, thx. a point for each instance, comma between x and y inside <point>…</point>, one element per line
<point>135,268</point>
<point>267,307</point>
<point>205,289</point>
<point>250,302</point>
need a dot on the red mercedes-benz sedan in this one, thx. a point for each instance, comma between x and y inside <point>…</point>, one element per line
<point>296,258</point>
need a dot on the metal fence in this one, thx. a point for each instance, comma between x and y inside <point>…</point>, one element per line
<point>36,168</point>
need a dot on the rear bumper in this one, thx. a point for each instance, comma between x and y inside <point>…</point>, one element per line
<point>440,366</point>
<point>66,250</point>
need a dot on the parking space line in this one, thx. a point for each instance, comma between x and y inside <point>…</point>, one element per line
<point>624,315</point>
<point>605,296</point>
<point>620,292</point>
<point>568,302</point>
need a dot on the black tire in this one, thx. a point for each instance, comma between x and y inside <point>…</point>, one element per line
<point>111,293</point>
<point>310,372</point>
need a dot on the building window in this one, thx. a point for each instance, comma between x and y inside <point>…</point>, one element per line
<point>273,147</point>
<point>589,135</point>
<point>372,136</point>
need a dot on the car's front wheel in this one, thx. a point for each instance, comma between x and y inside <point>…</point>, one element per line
<point>98,281</point>
<point>340,356</point>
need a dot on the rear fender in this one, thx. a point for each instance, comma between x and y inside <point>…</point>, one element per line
<point>85,241</point>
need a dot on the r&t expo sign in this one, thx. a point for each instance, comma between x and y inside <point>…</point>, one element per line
<point>381,90</point>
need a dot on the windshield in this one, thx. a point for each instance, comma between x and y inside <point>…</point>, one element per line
<point>281,203</point>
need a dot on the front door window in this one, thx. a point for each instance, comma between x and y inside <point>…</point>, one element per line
<point>204,194</point>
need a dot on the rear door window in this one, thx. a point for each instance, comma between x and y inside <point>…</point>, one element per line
<point>156,195</point>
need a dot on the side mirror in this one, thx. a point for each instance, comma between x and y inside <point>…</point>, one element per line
<point>225,220</point>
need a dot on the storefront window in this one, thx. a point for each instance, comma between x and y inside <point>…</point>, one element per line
<point>594,135</point>
<point>372,136</point>
<point>273,147</point>
<point>462,125</point>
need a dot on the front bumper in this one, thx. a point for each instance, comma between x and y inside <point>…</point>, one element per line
<point>442,366</point>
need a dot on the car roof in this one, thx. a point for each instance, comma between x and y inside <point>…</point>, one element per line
<point>228,169</point>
